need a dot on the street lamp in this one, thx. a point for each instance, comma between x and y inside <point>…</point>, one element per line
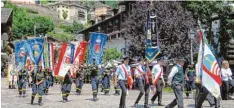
<point>191,37</point>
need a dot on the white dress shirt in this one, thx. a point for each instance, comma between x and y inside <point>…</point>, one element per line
<point>226,74</point>
<point>157,68</point>
<point>174,70</point>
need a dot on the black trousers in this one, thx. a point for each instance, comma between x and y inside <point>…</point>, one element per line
<point>158,92</point>
<point>205,95</point>
<point>144,88</point>
<point>123,86</point>
<point>178,91</point>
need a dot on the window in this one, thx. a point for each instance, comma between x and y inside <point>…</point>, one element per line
<point>81,14</point>
<point>58,6</point>
<point>67,7</point>
<point>63,6</point>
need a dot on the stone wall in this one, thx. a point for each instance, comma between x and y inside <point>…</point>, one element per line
<point>43,11</point>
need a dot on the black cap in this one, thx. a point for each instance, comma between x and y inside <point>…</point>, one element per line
<point>126,58</point>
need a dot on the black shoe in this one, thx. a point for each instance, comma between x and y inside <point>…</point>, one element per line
<point>135,105</point>
<point>160,104</point>
<point>146,106</point>
<point>64,101</point>
<point>32,98</point>
<point>40,104</point>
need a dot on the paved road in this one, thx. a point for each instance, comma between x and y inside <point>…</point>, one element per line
<point>10,99</point>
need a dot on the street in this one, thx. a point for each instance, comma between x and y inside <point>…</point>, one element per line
<point>10,99</point>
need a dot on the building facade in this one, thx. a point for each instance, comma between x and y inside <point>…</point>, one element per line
<point>113,27</point>
<point>70,12</point>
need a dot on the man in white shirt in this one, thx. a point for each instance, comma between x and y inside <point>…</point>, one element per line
<point>158,81</point>
<point>121,74</point>
<point>142,78</point>
<point>176,80</point>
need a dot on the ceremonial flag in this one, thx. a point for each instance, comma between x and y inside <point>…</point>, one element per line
<point>20,54</point>
<point>151,52</point>
<point>199,58</point>
<point>211,78</point>
<point>35,49</point>
<point>51,56</point>
<point>46,55</point>
<point>65,59</point>
<point>97,47</point>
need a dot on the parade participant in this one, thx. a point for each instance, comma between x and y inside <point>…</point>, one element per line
<point>37,85</point>
<point>205,94</point>
<point>142,78</point>
<point>158,81</point>
<point>46,81</point>
<point>22,82</point>
<point>12,75</point>
<point>101,77</point>
<point>94,80</point>
<point>106,81</point>
<point>66,86</point>
<point>121,75</point>
<point>51,78</point>
<point>79,80</point>
<point>198,87</point>
<point>176,80</point>
<point>226,75</point>
<point>117,87</point>
<point>190,80</point>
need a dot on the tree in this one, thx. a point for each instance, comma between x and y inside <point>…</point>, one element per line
<point>64,37</point>
<point>23,23</point>
<point>174,22</point>
<point>111,54</point>
<point>205,12</point>
<point>74,28</point>
<point>65,14</point>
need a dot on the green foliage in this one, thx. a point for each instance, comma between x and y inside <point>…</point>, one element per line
<point>111,54</point>
<point>64,37</point>
<point>44,2</point>
<point>75,27</point>
<point>23,24</point>
<point>65,14</point>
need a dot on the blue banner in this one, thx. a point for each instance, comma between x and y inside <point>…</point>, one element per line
<point>35,49</point>
<point>97,47</point>
<point>20,54</point>
<point>151,51</point>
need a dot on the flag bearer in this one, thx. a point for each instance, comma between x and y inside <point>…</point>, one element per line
<point>142,78</point>
<point>22,82</point>
<point>46,81</point>
<point>37,85</point>
<point>94,80</point>
<point>66,86</point>
<point>176,80</point>
<point>121,75</point>
<point>158,81</point>
<point>106,81</point>
<point>79,80</point>
<point>190,80</point>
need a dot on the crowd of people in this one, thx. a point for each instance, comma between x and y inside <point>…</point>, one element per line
<point>144,74</point>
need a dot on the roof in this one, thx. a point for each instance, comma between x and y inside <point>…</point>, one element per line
<point>66,4</point>
<point>5,14</point>
<point>100,22</point>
